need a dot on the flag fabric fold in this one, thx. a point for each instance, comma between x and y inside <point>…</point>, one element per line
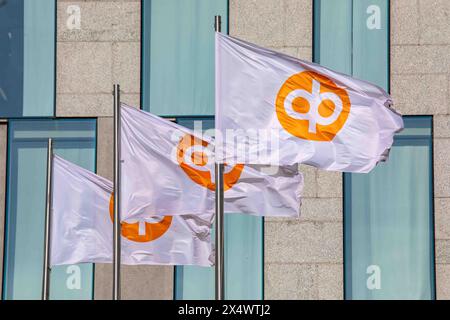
<point>82,228</point>
<point>154,181</point>
<point>275,109</point>
<point>169,170</point>
<point>266,191</point>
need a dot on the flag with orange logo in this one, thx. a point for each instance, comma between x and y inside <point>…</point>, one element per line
<point>275,109</point>
<point>169,170</point>
<point>82,228</point>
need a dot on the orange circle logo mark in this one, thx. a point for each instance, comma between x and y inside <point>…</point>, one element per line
<point>311,106</point>
<point>132,232</point>
<point>193,157</point>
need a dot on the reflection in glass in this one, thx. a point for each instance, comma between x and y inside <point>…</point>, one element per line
<point>27,58</point>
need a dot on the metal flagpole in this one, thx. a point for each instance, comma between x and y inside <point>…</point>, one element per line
<point>219,169</point>
<point>48,208</point>
<point>116,227</point>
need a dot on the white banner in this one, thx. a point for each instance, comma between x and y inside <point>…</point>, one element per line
<point>82,228</point>
<point>169,170</point>
<point>275,109</point>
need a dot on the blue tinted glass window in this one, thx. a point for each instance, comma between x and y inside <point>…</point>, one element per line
<point>388,222</point>
<point>75,140</point>
<point>27,58</point>
<point>178,55</point>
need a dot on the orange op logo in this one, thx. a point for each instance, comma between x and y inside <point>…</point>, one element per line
<point>311,106</point>
<point>193,157</point>
<point>131,230</point>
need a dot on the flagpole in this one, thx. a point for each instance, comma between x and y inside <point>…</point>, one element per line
<point>48,204</point>
<point>116,222</point>
<point>219,170</point>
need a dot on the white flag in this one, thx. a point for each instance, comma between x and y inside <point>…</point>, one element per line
<point>169,170</point>
<point>275,109</point>
<point>82,228</point>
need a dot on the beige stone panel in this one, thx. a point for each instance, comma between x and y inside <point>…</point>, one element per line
<point>330,281</point>
<point>3,155</point>
<point>420,93</point>
<point>100,21</point>
<point>404,22</point>
<point>147,283</point>
<point>84,67</point>
<point>434,21</point>
<point>298,23</point>
<point>443,281</point>
<point>329,184</point>
<point>127,66</point>
<point>305,242</point>
<point>441,168</point>
<point>441,126</point>
<point>305,53</point>
<point>442,217</point>
<point>316,210</point>
<point>105,147</point>
<point>103,282</point>
<point>84,105</point>
<point>258,21</point>
<point>290,282</point>
<point>290,51</point>
<point>322,209</point>
<point>137,282</point>
<point>442,251</point>
<point>310,181</point>
<point>131,99</point>
<point>424,59</point>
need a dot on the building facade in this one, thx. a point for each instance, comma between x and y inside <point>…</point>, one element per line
<point>385,235</point>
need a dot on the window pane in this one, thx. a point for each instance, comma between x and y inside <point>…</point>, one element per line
<point>243,255</point>
<point>371,41</point>
<point>388,223</point>
<point>178,50</point>
<point>27,172</point>
<point>358,42</point>
<point>332,36</point>
<point>27,58</point>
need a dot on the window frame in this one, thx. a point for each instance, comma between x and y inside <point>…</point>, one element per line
<point>55,72</point>
<point>143,65</point>
<point>346,190</point>
<point>7,189</point>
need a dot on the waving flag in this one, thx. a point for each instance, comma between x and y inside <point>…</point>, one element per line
<point>275,109</point>
<point>82,228</point>
<point>169,170</point>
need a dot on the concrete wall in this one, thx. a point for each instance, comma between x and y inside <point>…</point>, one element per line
<point>106,50</point>
<point>420,84</point>
<point>303,258</point>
